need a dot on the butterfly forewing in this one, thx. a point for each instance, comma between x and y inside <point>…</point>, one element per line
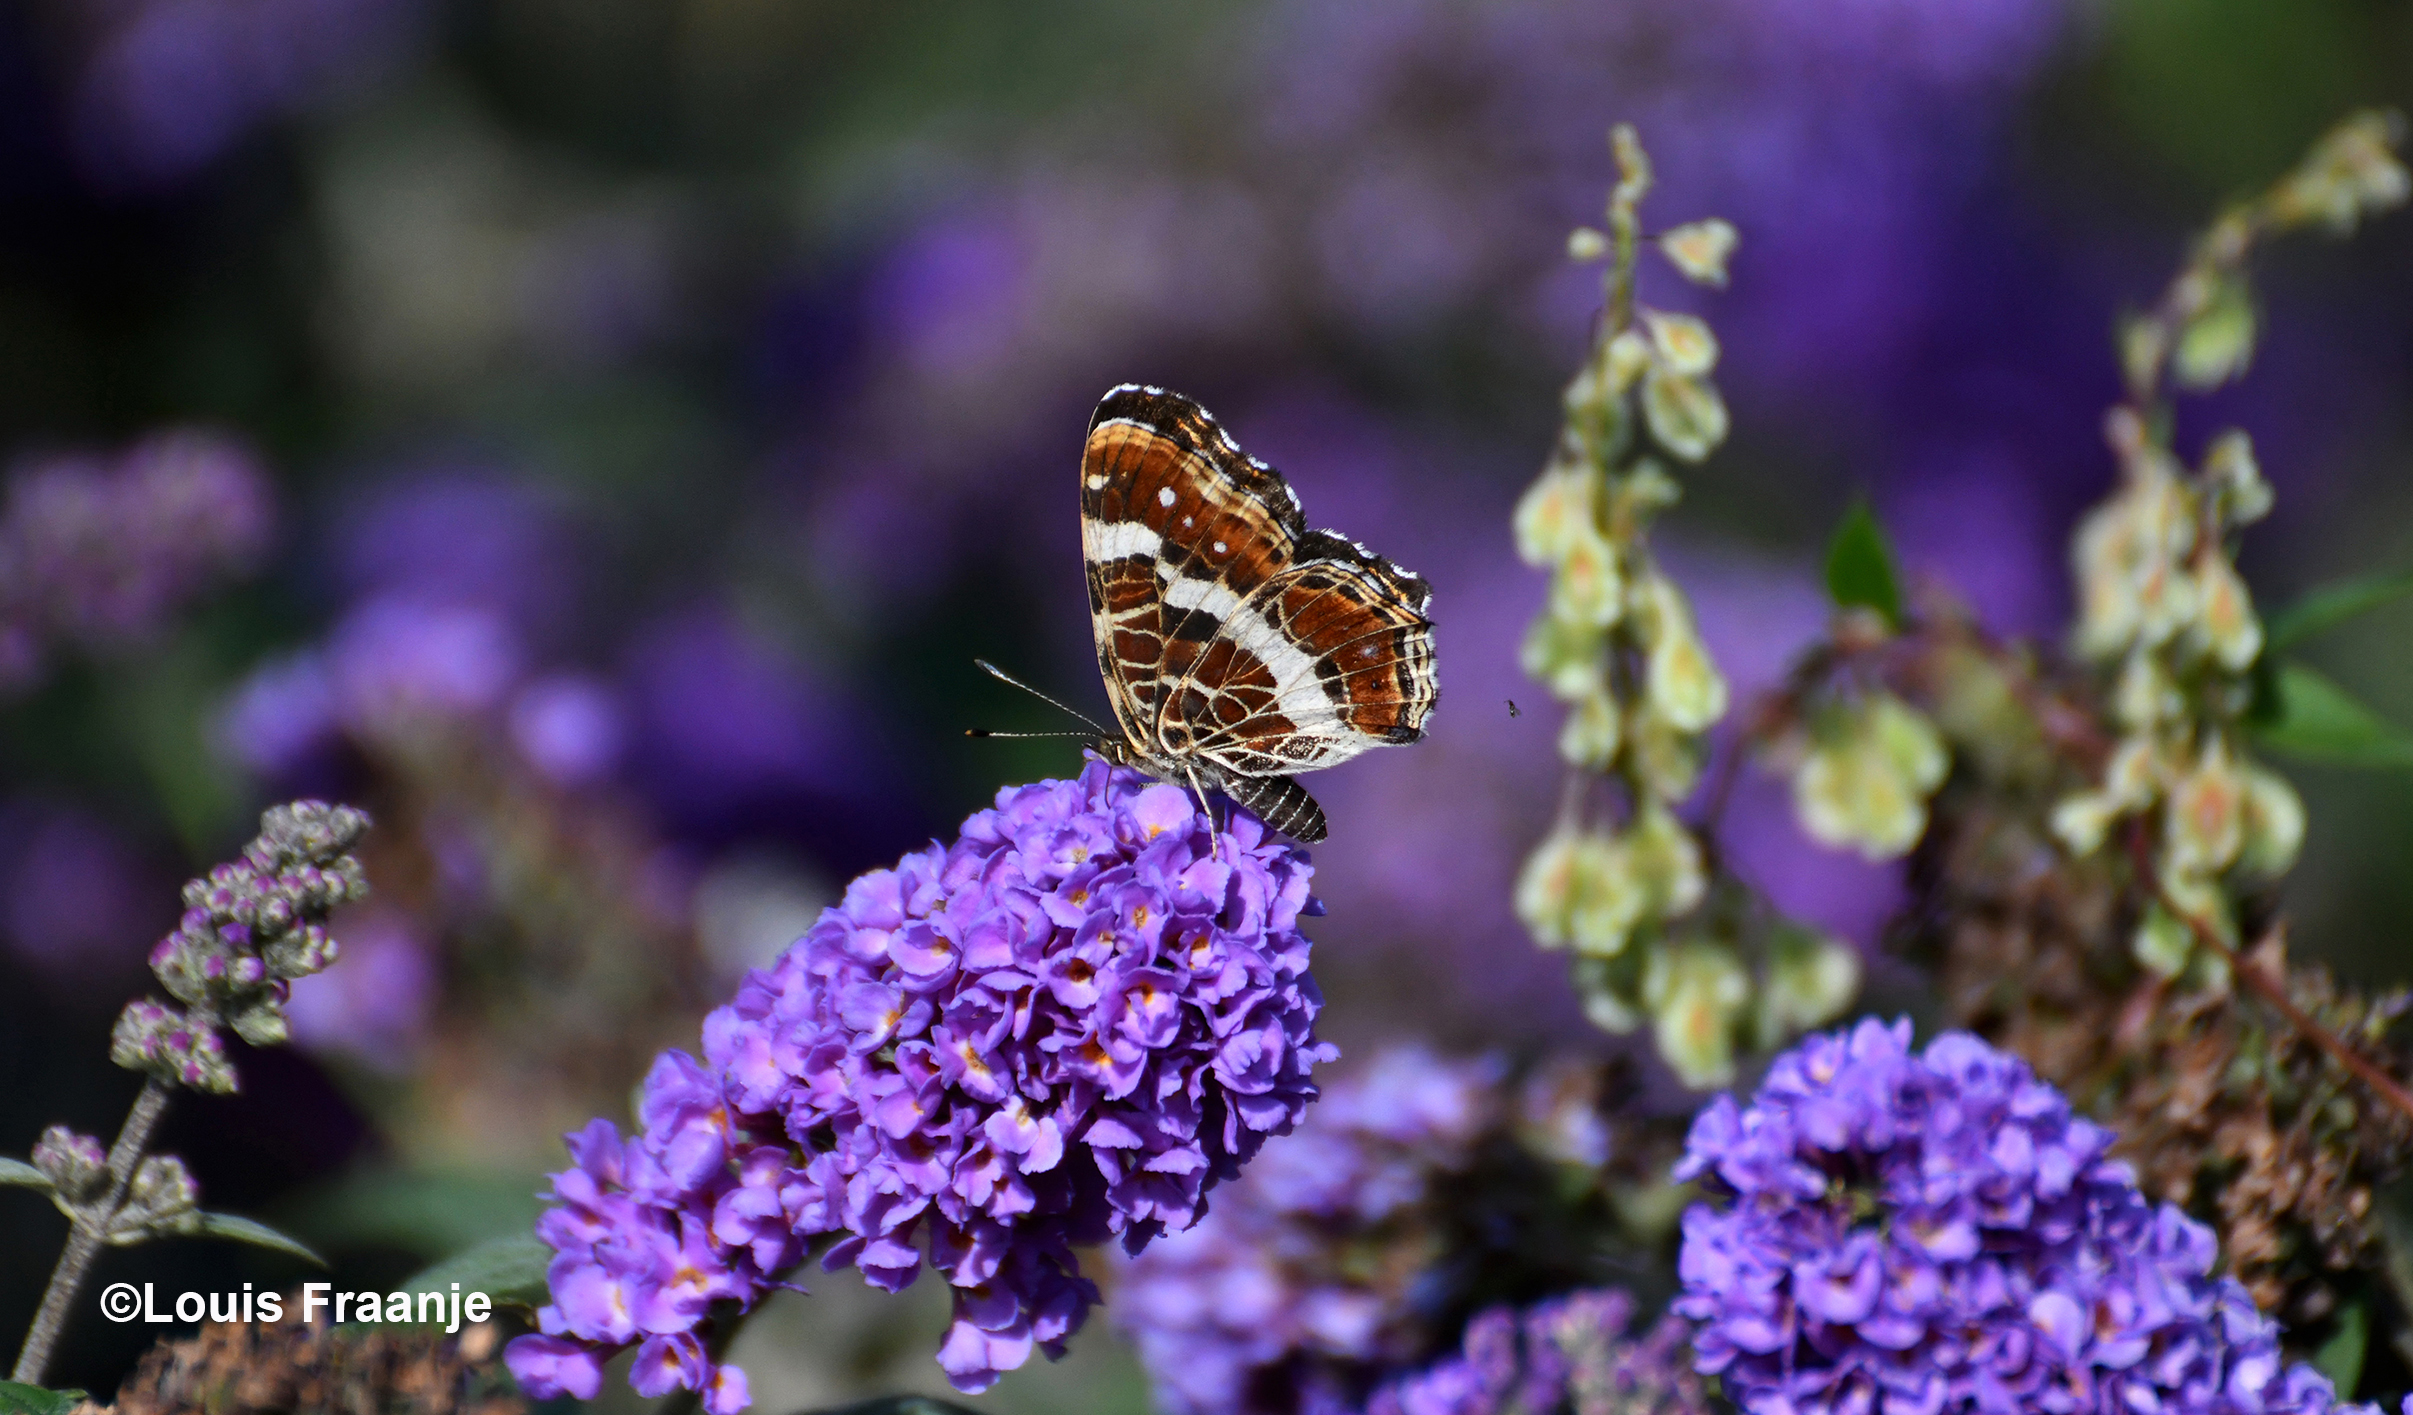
<point>1235,642</point>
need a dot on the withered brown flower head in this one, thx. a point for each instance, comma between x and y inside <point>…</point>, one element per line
<point>239,1368</point>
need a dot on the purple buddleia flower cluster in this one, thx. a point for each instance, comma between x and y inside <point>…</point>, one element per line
<point>1566,1356</point>
<point>1064,1026</point>
<point>98,552</point>
<point>1302,1274</point>
<point>1937,1232</point>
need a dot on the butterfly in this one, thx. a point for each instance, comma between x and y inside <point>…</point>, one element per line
<point>1238,646</point>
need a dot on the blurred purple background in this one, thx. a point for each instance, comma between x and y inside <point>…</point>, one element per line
<point>621,423</point>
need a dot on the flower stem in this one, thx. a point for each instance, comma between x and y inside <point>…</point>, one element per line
<point>2270,984</point>
<point>85,1238</point>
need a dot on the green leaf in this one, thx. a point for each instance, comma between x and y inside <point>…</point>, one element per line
<point>2303,714</point>
<point>19,1399</point>
<point>2331,605</point>
<point>2341,1357</point>
<point>509,1270</point>
<point>19,1172</point>
<point>259,1235</point>
<point>898,1406</point>
<point>1860,566</point>
<point>426,1213</point>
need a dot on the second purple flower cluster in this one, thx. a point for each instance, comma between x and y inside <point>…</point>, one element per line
<point>1064,1026</point>
<point>1936,1231</point>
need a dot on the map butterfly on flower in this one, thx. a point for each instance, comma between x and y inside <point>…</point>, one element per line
<point>1238,646</point>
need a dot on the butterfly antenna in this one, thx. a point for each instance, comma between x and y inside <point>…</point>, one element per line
<point>1004,677</point>
<point>984,732</point>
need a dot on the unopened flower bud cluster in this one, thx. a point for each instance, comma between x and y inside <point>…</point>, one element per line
<point>250,927</point>
<point>1865,772</point>
<point>2163,611</point>
<point>1617,643</point>
<point>2166,617</point>
<point>161,1197</point>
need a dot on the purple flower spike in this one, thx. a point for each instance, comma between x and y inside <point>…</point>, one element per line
<point>1067,1025</point>
<point>1935,1232</point>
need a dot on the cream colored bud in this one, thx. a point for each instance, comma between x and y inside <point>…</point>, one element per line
<point>1588,391</point>
<point>1587,244</point>
<point>2203,818</point>
<point>1686,690</point>
<point>2101,555</point>
<point>2274,823</point>
<point>1667,758</point>
<point>1588,588</point>
<point>1645,490</point>
<point>1865,781</point>
<point>1699,250</point>
<point>2201,897</point>
<point>2230,470</point>
<point>1629,357</point>
<point>1665,860</point>
<point>2128,553</point>
<point>1547,515</point>
<point>2145,696</point>
<point>1545,888</point>
<point>1686,414</point>
<point>2143,346</point>
<point>2218,342</point>
<point>1684,344</point>
<point>2163,943</point>
<point>1695,990</point>
<point>2133,777</point>
<point>2132,780</point>
<point>2351,172</point>
<point>2081,821</point>
<point>2227,628</point>
<point>1590,736</point>
<point>1810,980</point>
<point>1608,899</point>
<point>1563,657</point>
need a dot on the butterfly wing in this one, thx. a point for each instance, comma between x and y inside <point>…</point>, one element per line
<point>1178,527</point>
<point>1328,659</point>
<point>1229,635</point>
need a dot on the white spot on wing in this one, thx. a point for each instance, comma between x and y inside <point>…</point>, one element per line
<point>1097,483</point>
<point>1220,547</point>
<point>1164,496</point>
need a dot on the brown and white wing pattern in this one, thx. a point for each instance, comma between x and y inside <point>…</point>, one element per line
<point>1344,636</point>
<point>1234,641</point>
<point>1175,520</point>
